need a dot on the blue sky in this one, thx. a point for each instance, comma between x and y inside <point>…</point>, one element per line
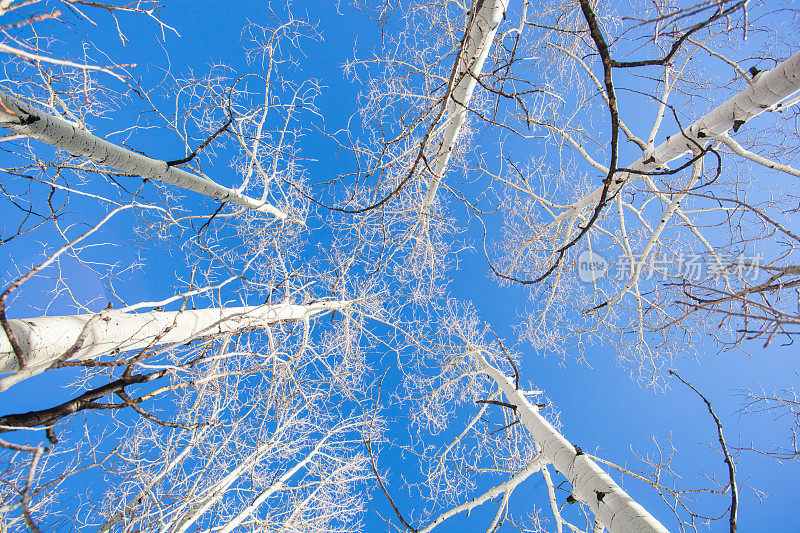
<point>601,408</point>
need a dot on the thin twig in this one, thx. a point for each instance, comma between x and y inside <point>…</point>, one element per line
<point>728,458</point>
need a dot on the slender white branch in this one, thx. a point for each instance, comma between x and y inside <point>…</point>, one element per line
<point>277,485</point>
<point>36,57</point>
<point>532,467</point>
<point>169,467</point>
<point>24,119</point>
<point>738,149</point>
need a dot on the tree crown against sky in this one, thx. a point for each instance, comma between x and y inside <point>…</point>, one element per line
<point>286,267</point>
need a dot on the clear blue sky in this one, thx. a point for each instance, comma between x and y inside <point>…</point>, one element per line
<point>601,409</point>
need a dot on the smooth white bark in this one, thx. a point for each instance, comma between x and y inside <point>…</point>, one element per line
<point>768,91</point>
<point>476,50</point>
<point>611,505</point>
<point>44,340</point>
<point>26,120</point>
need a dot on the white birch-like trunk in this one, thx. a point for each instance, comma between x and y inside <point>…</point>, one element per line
<point>45,340</point>
<point>611,505</point>
<point>481,35</point>
<point>26,120</point>
<point>768,90</point>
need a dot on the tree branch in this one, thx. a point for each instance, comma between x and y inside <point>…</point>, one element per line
<point>728,457</point>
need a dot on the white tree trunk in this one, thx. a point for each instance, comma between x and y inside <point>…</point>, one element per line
<point>611,505</point>
<point>26,120</point>
<point>768,90</point>
<point>481,35</point>
<point>44,340</point>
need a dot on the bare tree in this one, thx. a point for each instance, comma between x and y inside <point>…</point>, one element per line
<point>251,393</point>
<point>220,412</point>
<point>671,239</point>
<point>248,432</point>
<point>479,435</point>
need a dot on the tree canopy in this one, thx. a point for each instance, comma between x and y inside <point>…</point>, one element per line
<point>404,266</point>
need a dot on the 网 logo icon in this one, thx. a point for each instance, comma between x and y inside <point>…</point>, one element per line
<point>591,266</point>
